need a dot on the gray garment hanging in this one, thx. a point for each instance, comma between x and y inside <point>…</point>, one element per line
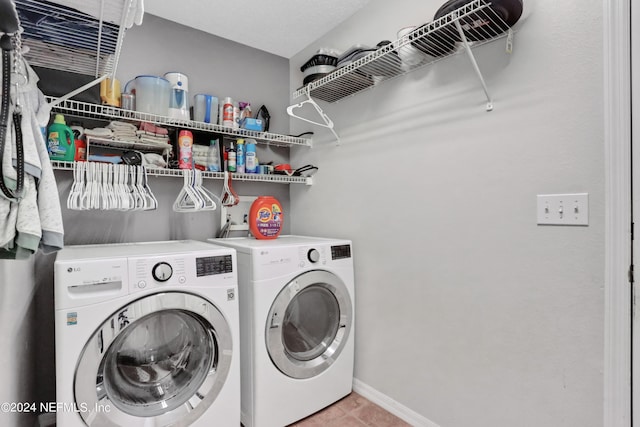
<point>36,220</point>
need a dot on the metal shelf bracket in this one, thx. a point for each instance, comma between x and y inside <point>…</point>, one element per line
<point>326,121</point>
<point>472,58</point>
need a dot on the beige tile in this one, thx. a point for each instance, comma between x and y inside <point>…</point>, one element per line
<point>351,402</point>
<point>375,416</point>
<point>346,421</point>
<point>328,414</point>
<point>306,422</point>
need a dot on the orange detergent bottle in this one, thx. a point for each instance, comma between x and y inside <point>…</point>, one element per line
<point>265,217</point>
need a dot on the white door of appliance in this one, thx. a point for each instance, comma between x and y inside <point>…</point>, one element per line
<point>165,356</point>
<point>308,324</point>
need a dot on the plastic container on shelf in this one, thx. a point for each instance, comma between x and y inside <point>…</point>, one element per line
<point>251,162</point>
<point>266,218</point>
<point>240,156</point>
<point>205,108</point>
<point>152,94</point>
<point>231,159</point>
<point>60,140</point>
<point>213,156</point>
<point>185,149</point>
<point>227,113</point>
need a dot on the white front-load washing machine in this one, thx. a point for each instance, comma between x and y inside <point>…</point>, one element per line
<point>296,326</point>
<point>147,334</point>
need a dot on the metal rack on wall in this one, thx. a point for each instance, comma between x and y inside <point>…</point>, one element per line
<point>276,179</point>
<point>107,112</point>
<point>83,37</point>
<point>467,27</point>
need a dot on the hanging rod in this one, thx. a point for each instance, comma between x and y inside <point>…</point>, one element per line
<point>9,23</point>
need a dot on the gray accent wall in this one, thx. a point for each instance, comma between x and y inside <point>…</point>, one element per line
<point>467,312</point>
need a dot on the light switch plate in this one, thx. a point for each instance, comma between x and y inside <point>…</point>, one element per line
<point>563,209</point>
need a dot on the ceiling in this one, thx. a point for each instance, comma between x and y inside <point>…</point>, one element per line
<point>280,27</point>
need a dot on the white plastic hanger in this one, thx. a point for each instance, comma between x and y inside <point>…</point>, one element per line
<point>75,194</point>
<point>188,199</point>
<point>152,201</point>
<point>326,121</point>
<point>207,196</point>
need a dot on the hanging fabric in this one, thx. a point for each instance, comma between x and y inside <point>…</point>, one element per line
<point>30,214</point>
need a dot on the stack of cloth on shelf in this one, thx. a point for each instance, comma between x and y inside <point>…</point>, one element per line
<point>200,156</point>
<point>102,133</point>
<point>144,133</point>
<point>152,134</point>
<point>123,131</point>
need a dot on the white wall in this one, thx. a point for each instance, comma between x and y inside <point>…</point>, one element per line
<point>467,312</point>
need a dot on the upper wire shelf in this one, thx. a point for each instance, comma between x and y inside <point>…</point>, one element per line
<point>82,37</point>
<point>276,179</point>
<point>102,112</point>
<point>423,46</point>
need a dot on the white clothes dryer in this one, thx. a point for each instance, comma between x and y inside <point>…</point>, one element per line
<point>296,326</point>
<point>147,334</point>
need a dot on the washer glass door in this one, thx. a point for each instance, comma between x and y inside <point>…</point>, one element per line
<point>308,324</point>
<point>165,356</point>
<point>158,363</point>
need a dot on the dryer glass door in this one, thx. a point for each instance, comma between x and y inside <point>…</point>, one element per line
<point>161,360</point>
<point>308,324</point>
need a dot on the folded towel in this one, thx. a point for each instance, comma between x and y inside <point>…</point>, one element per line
<point>99,133</point>
<point>121,126</point>
<point>151,128</point>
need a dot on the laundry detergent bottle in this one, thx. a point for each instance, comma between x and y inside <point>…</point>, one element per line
<point>60,140</point>
<point>266,218</point>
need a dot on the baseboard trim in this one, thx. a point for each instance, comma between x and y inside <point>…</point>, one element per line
<point>397,409</point>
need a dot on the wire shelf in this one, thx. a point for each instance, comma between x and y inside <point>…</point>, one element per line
<point>102,112</point>
<point>60,37</point>
<point>421,47</point>
<point>276,179</point>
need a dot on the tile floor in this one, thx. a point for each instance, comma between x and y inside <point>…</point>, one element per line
<point>352,411</point>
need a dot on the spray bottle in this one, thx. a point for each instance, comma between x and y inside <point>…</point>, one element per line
<point>240,156</point>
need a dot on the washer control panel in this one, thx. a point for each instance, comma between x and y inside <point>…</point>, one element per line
<point>179,270</point>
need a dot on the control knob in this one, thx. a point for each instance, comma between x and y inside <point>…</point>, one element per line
<point>313,255</point>
<point>162,271</point>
